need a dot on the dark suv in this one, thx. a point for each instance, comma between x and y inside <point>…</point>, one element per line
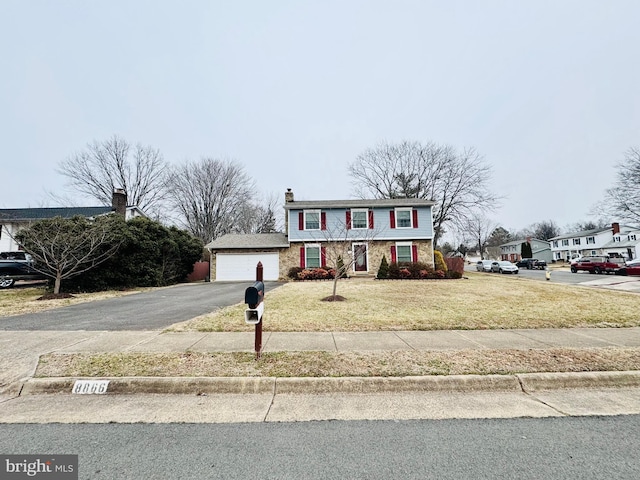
<point>532,264</point>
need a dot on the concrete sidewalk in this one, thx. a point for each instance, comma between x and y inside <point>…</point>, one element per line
<point>20,351</point>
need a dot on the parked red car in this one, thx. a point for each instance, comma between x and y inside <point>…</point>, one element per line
<point>632,267</point>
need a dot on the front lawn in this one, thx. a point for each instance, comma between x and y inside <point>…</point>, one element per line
<point>479,301</point>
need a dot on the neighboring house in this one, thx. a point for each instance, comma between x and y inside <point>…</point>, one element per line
<point>600,241</point>
<point>624,244</point>
<point>13,219</point>
<point>512,251</point>
<point>400,229</point>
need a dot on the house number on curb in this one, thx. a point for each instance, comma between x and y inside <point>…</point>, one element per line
<point>90,387</point>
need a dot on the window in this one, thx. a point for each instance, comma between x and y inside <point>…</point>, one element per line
<point>591,240</point>
<point>403,253</point>
<point>632,237</point>
<point>565,243</point>
<point>312,256</point>
<point>312,219</point>
<point>616,239</point>
<point>359,218</point>
<point>593,253</point>
<point>555,243</point>
<point>403,217</point>
<point>576,241</point>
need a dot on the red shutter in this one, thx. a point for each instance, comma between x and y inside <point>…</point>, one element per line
<point>347,219</point>
<point>301,221</point>
<point>415,219</point>
<point>393,253</point>
<point>323,256</point>
<point>301,257</point>
<point>392,218</point>
<point>414,253</point>
<point>323,221</point>
<point>370,218</point>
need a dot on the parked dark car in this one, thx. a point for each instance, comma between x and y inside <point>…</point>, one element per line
<point>12,270</point>
<point>531,264</point>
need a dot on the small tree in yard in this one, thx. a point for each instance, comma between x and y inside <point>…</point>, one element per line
<point>337,250</point>
<point>383,271</point>
<point>63,248</point>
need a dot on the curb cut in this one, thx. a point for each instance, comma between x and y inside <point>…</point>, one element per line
<point>521,383</point>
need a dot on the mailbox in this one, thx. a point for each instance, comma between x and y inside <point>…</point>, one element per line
<point>253,296</point>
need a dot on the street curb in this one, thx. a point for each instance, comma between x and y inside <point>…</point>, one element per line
<point>527,383</point>
<point>533,382</point>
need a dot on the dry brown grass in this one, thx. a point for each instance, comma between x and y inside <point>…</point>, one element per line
<point>479,302</point>
<point>341,364</point>
<point>16,301</point>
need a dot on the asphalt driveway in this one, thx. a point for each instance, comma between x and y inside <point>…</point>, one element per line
<point>152,310</point>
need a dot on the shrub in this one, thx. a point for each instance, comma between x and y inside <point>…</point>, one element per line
<point>316,274</point>
<point>383,270</point>
<point>342,271</point>
<point>454,274</point>
<point>293,272</point>
<point>394,270</point>
<point>438,260</point>
<point>455,264</point>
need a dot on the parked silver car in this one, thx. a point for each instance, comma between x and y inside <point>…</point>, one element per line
<point>504,267</point>
<point>484,266</point>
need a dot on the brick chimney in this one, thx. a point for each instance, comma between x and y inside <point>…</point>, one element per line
<point>288,196</point>
<point>119,202</point>
<point>615,227</point>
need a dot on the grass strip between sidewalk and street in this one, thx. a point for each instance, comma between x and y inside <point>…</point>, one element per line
<point>339,364</point>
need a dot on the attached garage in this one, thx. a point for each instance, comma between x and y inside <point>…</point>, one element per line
<point>235,257</point>
<point>242,266</point>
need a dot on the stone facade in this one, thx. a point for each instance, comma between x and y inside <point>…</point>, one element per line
<point>376,250</point>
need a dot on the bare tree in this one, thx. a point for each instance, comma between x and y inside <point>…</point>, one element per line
<point>114,163</point>
<point>478,230</point>
<point>338,249</point>
<point>623,199</point>
<point>63,248</point>
<point>457,181</point>
<point>212,197</point>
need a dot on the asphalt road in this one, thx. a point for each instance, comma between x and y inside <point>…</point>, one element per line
<point>152,310</point>
<point>553,448</point>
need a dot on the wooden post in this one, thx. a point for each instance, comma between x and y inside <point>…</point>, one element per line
<point>258,336</point>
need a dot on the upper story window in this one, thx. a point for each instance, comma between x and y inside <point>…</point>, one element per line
<point>632,237</point>
<point>359,218</point>
<point>591,240</point>
<point>576,241</point>
<point>616,238</point>
<point>403,218</point>
<point>555,243</point>
<point>565,243</point>
<point>312,219</point>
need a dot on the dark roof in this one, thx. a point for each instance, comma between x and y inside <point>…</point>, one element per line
<point>31,214</point>
<point>380,202</point>
<point>249,241</point>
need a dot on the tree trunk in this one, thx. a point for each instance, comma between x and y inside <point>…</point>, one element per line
<point>56,286</point>
<point>335,285</point>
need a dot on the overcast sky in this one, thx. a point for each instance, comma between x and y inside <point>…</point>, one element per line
<point>547,91</point>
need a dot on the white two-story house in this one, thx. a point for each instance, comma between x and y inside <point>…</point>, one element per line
<point>399,229</point>
<point>601,241</point>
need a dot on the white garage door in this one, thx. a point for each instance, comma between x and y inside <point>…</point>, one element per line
<point>242,266</point>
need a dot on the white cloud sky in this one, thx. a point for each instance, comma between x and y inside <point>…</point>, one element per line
<point>547,91</point>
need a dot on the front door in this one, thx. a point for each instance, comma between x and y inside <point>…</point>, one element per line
<point>360,256</point>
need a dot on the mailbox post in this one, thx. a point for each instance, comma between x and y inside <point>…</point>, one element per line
<point>254,298</point>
